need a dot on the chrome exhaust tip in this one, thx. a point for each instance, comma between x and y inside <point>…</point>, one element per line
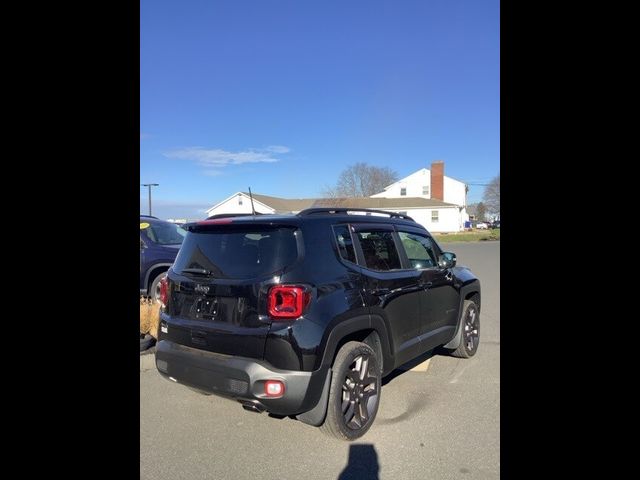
<point>251,406</point>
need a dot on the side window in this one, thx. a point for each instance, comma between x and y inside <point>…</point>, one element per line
<point>419,249</point>
<point>345,245</point>
<point>379,250</point>
<point>151,234</point>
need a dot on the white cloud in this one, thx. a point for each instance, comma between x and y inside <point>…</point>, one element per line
<point>218,158</point>
<point>278,149</point>
<point>212,173</point>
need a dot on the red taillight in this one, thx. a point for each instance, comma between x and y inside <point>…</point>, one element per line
<point>273,388</point>
<point>287,301</point>
<point>164,290</point>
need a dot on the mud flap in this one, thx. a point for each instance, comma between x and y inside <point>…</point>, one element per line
<point>457,337</point>
<point>316,415</point>
<point>455,341</point>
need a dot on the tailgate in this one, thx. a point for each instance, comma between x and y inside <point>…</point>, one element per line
<point>218,287</point>
<point>216,316</point>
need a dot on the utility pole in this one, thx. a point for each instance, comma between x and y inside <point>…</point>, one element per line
<point>149,185</point>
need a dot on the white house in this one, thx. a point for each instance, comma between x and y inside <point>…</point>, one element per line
<point>430,198</point>
<point>428,184</point>
<point>240,202</point>
<point>433,184</point>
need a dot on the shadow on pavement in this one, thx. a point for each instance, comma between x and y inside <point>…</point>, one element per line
<point>409,365</point>
<point>363,463</point>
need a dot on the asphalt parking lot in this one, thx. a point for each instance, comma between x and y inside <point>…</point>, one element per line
<point>440,420</point>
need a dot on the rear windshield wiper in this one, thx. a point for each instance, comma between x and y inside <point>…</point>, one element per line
<point>197,271</point>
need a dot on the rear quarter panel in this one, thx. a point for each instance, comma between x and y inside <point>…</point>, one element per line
<point>336,295</point>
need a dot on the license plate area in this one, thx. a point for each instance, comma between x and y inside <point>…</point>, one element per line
<point>205,308</point>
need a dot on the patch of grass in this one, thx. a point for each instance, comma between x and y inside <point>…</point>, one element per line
<point>149,317</point>
<point>473,236</point>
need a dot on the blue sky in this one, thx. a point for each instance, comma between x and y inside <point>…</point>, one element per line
<point>282,95</point>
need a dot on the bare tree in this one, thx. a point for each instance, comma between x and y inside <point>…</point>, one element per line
<point>361,180</point>
<point>491,196</point>
<point>481,211</point>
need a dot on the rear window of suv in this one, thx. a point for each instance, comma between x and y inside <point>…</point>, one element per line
<point>238,253</point>
<point>165,233</point>
<point>345,245</point>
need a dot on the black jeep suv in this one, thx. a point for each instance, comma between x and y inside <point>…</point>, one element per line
<point>302,315</point>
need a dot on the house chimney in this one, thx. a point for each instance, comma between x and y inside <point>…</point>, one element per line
<point>437,180</point>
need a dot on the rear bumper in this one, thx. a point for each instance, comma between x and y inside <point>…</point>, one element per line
<point>240,378</point>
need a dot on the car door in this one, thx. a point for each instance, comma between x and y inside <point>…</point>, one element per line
<point>142,269</point>
<point>440,297</point>
<point>390,291</point>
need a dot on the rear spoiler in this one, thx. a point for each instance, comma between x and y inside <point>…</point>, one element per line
<point>227,215</point>
<point>227,222</point>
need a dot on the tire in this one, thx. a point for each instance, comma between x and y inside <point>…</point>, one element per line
<point>146,342</point>
<point>361,397</point>
<point>470,333</point>
<point>154,288</point>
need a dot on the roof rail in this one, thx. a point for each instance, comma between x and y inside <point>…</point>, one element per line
<point>149,216</point>
<point>334,210</point>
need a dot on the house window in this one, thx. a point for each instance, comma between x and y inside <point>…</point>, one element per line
<point>239,199</point>
<point>425,190</point>
<point>434,216</point>
<point>403,192</point>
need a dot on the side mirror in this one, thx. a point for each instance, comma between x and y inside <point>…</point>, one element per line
<point>447,260</point>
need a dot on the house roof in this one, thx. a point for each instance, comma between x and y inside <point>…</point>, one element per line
<point>282,205</point>
<point>425,170</point>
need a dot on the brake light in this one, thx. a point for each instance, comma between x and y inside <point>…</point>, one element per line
<point>217,221</point>
<point>287,301</point>
<point>164,290</point>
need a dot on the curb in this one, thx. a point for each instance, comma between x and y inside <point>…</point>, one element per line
<point>148,359</point>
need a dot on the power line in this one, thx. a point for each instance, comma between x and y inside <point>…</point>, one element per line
<point>481,182</point>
